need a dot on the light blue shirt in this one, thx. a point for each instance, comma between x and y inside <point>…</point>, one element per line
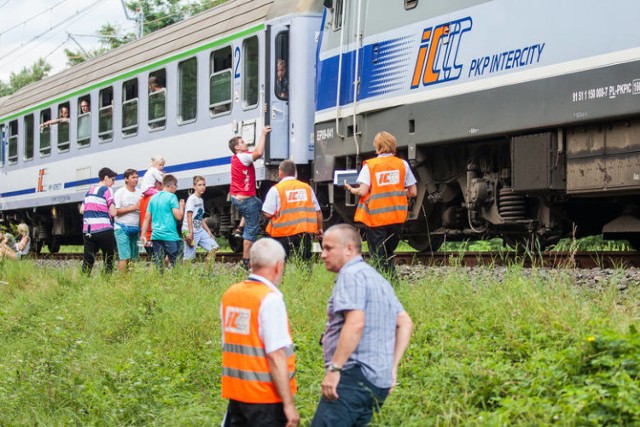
<point>163,223</point>
<point>360,287</point>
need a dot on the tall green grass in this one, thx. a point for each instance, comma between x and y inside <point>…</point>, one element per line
<point>144,349</point>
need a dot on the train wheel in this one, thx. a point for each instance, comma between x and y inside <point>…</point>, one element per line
<point>53,245</point>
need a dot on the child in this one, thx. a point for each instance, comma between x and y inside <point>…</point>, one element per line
<point>194,228</point>
<point>153,176</point>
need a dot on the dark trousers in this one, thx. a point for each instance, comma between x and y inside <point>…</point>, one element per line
<point>104,241</point>
<point>240,414</point>
<point>172,249</point>
<point>358,399</point>
<point>296,245</point>
<point>382,242</point>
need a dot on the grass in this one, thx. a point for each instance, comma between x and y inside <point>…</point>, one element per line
<point>144,349</point>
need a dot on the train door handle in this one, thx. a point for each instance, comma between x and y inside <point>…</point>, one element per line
<point>275,110</point>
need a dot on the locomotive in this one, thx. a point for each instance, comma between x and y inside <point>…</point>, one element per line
<point>520,121</point>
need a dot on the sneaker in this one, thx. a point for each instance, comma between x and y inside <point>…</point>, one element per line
<point>245,264</point>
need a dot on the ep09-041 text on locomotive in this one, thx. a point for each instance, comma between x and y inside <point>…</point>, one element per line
<point>520,121</point>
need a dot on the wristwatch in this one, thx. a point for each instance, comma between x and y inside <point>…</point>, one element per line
<point>334,368</point>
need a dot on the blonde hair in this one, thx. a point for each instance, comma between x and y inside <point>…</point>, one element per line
<point>384,142</point>
<point>23,229</point>
<point>157,159</point>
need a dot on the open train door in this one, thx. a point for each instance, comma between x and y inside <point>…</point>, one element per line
<point>277,76</point>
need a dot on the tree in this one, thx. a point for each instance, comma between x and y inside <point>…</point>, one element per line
<point>38,71</point>
<point>157,14</point>
<point>161,13</point>
<point>109,39</point>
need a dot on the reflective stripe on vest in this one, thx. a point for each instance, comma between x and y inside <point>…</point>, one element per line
<point>296,213</point>
<point>245,370</point>
<point>386,203</point>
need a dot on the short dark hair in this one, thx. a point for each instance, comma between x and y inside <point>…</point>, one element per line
<point>233,142</point>
<point>106,172</point>
<point>288,168</point>
<point>130,172</point>
<point>169,180</point>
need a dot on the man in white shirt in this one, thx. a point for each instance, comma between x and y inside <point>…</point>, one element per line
<point>127,221</point>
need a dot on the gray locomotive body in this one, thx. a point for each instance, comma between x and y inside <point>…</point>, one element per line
<point>520,120</point>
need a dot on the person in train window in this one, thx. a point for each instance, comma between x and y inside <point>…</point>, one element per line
<point>385,183</point>
<point>84,120</point>
<point>63,117</point>
<point>282,79</point>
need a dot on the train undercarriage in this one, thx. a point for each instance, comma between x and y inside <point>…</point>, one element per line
<point>530,190</point>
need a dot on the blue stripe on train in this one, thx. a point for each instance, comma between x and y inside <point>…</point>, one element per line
<point>385,72</point>
<point>168,169</point>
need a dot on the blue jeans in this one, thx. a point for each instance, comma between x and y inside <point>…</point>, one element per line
<point>173,250</point>
<point>250,209</point>
<point>358,399</point>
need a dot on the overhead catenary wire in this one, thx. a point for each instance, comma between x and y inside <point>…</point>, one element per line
<point>9,56</point>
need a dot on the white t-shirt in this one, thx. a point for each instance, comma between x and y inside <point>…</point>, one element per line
<point>365,177</point>
<point>194,204</point>
<point>123,199</point>
<point>150,177</point>
<point>272,199</point>
<point>245,158</point>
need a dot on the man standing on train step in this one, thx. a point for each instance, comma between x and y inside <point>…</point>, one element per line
<point>294,212</point>
<point>258,363</point>
<point>385,183</point>
<point>243,187</point>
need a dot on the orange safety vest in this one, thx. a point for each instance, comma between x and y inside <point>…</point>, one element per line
<point>296,213</point>
<point>245,370</point>
<point>386,203</point>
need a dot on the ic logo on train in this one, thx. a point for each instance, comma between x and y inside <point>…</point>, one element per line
<point>437,57</point>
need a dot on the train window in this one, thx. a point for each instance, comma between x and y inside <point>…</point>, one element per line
<point>281,85</point>
<point>337,14</point>
<point>251,82</point>
<point>63,127</point>
<point>157,99</point>
<point>220,81</point>
<point>410,4</point>
<point>84,121</point>
<point>187,90</point>
<point>12,155</point>
<point>130,107</point>
<point>45,133</point>
<point>105,114</point>
<point>29,136</point>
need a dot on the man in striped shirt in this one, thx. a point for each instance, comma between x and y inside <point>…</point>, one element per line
<point>98,211</point>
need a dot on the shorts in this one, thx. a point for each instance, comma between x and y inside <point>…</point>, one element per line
<point>127,244</point>
<point>250,209</point>
<point>200,238</point>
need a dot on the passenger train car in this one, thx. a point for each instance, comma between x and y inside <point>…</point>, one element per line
<point>521,120</point>
<point>217,76</point>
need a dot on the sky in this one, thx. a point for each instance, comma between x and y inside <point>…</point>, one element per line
<point>31,29</point>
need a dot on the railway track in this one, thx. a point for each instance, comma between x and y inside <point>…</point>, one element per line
<point>608,259</point>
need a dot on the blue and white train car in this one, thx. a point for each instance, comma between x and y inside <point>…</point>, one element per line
<point>217,72</point>
<point>521,119</point>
